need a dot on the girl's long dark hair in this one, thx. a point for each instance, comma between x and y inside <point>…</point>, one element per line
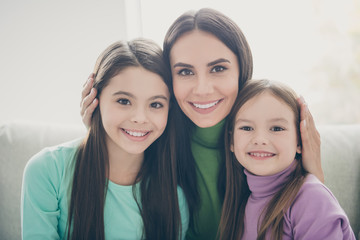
<point>237,190</point>
<point>229,33</point>
<point>158,202</point>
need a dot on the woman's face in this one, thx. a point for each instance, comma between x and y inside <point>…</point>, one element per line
<point>205,77</point>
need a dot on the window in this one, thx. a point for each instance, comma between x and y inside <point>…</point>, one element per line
<point>312,45</point>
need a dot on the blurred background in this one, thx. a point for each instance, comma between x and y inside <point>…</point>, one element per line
<point>48,49</point>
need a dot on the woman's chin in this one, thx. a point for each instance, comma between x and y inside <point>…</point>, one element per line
<point>205,123</point>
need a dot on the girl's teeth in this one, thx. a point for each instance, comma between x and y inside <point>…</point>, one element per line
<point>202,106</point>
<point>261,154</point>
<point>136,134</point>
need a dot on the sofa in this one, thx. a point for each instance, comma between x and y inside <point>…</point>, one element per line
<point>340,152</point>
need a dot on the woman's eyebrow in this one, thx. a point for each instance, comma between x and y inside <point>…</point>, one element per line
<point>180,64</point>
<point>220,60</point>
<point>217,61</point>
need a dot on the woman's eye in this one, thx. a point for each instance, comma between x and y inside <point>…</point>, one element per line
<point>124,101</point>
<point>156,105</point>
<point>246,128</point>
<point>185,72</point>
<point>277,129</point>
<point>218,69</point>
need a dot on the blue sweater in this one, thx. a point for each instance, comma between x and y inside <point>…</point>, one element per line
<point>46,192</point>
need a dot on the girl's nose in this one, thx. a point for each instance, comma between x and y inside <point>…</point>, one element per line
<point>260,139</point>
<point>139,115</point>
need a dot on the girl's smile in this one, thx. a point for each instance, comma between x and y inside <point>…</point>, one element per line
<point>136,135</point>
<point>134,109</point>
<point>265,138</point>
<point>261,155</point>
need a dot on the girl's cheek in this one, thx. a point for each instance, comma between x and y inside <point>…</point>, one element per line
<point>162,120</point>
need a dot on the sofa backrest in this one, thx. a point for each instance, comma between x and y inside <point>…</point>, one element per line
<point>340,158</point>
<point>19,141</point>
<point>340,151</point>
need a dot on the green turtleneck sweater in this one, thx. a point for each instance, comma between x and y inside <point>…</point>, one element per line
<point>206,152</point>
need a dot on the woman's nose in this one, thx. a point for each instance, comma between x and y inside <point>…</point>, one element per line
<point>203,86</point>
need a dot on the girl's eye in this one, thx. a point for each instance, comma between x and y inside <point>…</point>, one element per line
<point>185,72</point>
<point>124,101</point>
<point>218,69</point>
<point>156,105</point>
<point>277,129</point>
<point>246,128</point>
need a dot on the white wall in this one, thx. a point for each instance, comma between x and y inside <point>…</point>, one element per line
<point>312,45</point>
<point>48,49</point>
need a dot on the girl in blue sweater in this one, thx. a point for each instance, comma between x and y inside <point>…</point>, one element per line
<point>119,181</point>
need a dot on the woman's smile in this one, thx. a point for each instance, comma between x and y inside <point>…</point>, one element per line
<point>205,107</point>
<point>205,76</point>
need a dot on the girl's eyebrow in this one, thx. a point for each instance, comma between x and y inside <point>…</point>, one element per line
<point>133,96</point>
<point>270,120</point>
<point>242,120</point>
<point>123,93</point>
<point>279,120</point>
<point>158,96</point>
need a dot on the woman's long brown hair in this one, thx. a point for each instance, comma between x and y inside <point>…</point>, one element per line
<point>228,32</point>
<point>237,190</point>
<point>158,202</point>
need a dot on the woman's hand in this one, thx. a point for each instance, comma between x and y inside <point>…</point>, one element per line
<point>310,137</point>
<point>88,101</point>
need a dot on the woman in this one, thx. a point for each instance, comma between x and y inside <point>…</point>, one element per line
<point>210,60</point>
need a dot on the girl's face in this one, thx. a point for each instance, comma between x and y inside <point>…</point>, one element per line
<point>265,137</point>
<point>205,77</point>
<point>134,109</point>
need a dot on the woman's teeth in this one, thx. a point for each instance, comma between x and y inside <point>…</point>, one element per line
<point>203,106</point>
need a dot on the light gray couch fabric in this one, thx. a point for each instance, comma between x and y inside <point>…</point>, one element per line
<point>340,151</point>
<point>19,141</point>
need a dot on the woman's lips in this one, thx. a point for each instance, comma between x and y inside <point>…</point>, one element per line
<point>205,107</point>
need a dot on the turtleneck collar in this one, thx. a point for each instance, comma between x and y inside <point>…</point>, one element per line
<point>209,137</point>
<point>264,186</point>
